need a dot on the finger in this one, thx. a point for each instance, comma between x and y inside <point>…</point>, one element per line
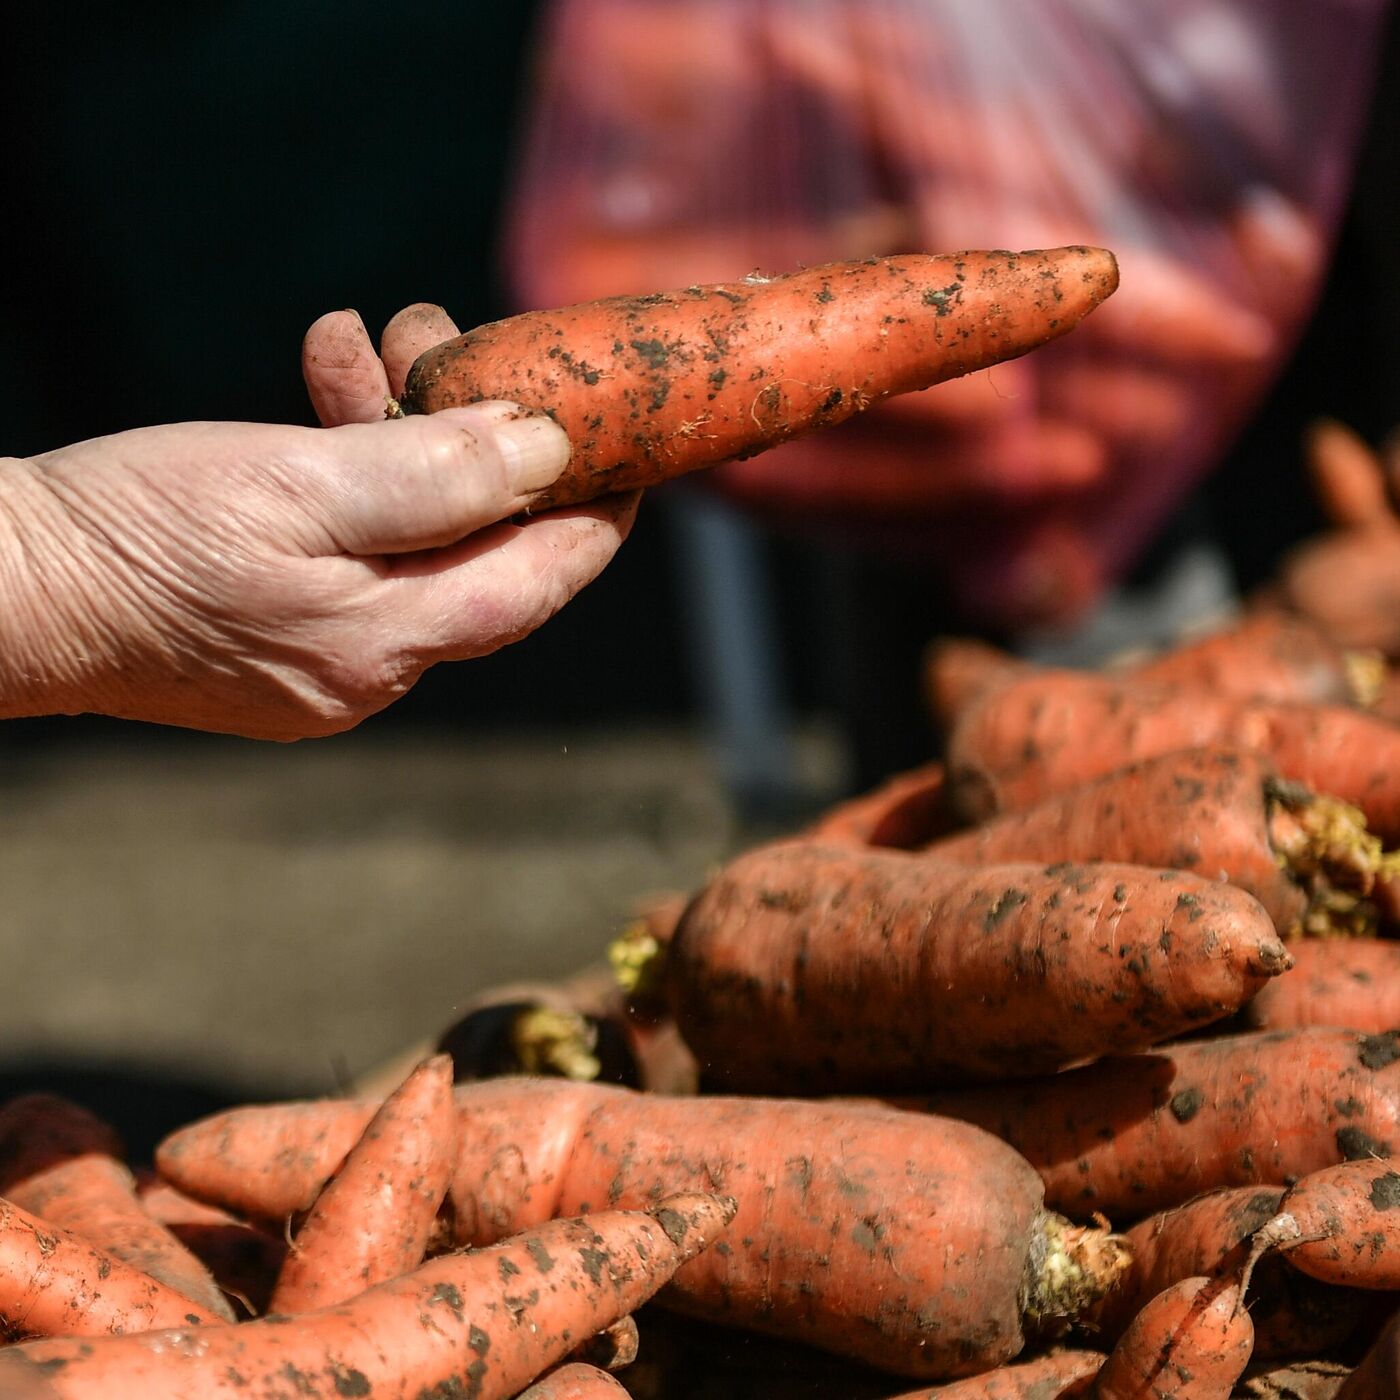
<point>410,332</point>
<point>505,582</point>
<point>429,480</point>
<point>344,377</point>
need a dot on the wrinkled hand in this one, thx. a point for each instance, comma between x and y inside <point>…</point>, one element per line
<point>284,582</point>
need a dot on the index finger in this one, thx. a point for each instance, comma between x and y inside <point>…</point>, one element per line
<point>410,332</point>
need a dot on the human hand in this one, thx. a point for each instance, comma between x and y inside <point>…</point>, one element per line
<point>282,582</point>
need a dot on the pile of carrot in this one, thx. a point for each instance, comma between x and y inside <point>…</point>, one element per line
<point>1068,1066</point>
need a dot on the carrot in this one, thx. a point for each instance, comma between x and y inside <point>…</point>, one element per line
<point>956,670</point>
<point>1338,1225</point>
<point>904,811</point>
<point>1050,730</point>
<point>54,1283</point>
<point>243,1259</point>
<point>483,1324</point>
<point>1133,1134</point>
<point>1055,1376</point>
<point>1269,655</point>
<point>915,1244</point>
<point>574,1382</point>
<point>654,386</point>
<point>1210,1235</point>
<point>1340,982</point>
<point>373,1219</point>
<point>1218,813</point>
<point>1191,1342</point>
<point>1347,477</point>
<point>816,969</point>
<point>61,1163</point>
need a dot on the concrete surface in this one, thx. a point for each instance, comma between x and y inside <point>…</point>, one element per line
<point>259,920</point>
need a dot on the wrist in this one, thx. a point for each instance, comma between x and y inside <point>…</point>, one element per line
<point>40,671</point>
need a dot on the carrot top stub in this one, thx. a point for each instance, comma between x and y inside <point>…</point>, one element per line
<point>651,387</point>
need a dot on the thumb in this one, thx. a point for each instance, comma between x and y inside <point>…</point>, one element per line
<point>425,481</point>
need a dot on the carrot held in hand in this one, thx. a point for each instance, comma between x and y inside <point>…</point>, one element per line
<point>1218,813</point>
<point>374,1218</point>
<point>804,968</point>
<point>54,1283</point>
<point>62,1164</point>
<point>483,1323</point>
<point>916,1244</point>
<point>651,387</point>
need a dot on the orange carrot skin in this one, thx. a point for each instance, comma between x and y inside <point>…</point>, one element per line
<point>650,387</point>
<point>1191,1342</point>
<point>905,811</point>
<point>1055,1376</point>
<point>1347,982</point>
<point>1268,655</point>
<point>575,1382</point>
<point>54,1283</point>
<point>855,1231</point>
<point>374,1218</point>
<point>1051,730</point>
<point>812,969</point>
<point>483,1324</point>
<point>1134,1134</point>
<point>1210,1236</point>
<point>1349,1216</point>
<point>1201,810</point>
<point>956,670</point>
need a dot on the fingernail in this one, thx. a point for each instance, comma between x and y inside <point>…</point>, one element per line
<point>535,448</point>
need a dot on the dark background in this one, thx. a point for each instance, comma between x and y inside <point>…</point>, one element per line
<point>191,185</point>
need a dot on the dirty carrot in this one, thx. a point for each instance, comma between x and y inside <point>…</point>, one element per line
<point>54,1283</point>
<point>1353,983</point>
<point>484,1323</point>
<point>916,1244</point>
<point>62,1164</point>
<point>374,1218</point>
<point>1341,1225</point>
<point>1132,1134</point>
<point>820,969</point>
<point>1191,1342</point>
<point>1210,1235</point>
<point>1218,813</point>
<point>613,1349</point>
<point>650,387</point>
<point>1058,1375</point>
<point>1050,730</point>
<point>575,1382</point>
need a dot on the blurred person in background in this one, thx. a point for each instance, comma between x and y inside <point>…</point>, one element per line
<point>1209,143</point>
